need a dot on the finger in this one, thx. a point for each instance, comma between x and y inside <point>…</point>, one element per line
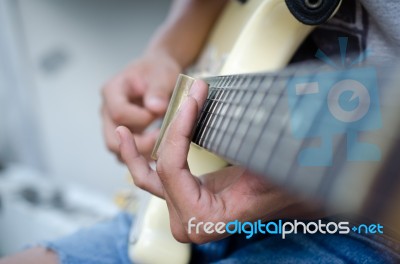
<point>199,92</point>
<point>179,183</point>
<point>145,141</point>
<point>136,83</point>
<point>178,136</point>
<point>109,132</point>
<point>157,96</point>
<point>143,176</point>
<point>177,226</point>
<point>122,111</point>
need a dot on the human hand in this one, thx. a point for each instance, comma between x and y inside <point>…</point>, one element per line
<point>223,196</point>
<point>137,97</point>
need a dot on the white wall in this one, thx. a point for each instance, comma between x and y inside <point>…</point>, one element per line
<point>74,46</point>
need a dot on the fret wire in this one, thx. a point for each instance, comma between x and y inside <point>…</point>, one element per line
<point>266,141</point>
<point>284,131</point>
<point>206,120</point>
<point>202,116</point>
<point>202,127</point>
<point>221,104</point>
<point>267,132</point>
<point>244,93</point>
<point>223,84</point>
<point>234,146</point>
<point>230,88</point>
<point>272,92</point>
<point>211,110</point>
<point>228,116</point>
<point>285,136</point>
<point>263,115</point>
<point>330,174</point>
<point>234,119</point>
<point>267,117</point>
<point>284,127</point>
<point>227,102</point>
<point>210,119</point>
<point>266,85</point>
<point>196,134</point>
<point>328,178</point>
<point>219,83</point>
<point>216,115</point>
<point>225,121</point>
<point>283,124</point>
<point>256,103</point>
<point>294,168</point>
<point>232,100</point>
<point>215,130</point>
<point>226,81</point>
<point>324,180</point>
<point>229,82</point>
<point>218,130</point>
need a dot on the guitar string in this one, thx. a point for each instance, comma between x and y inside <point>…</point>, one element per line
<point>248,115</point>
<point>228,132</point>
<point>234,101</point>
<point>225,101</point>
<point>233,121</point>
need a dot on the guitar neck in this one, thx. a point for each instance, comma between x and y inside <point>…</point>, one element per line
<point>272,124</point>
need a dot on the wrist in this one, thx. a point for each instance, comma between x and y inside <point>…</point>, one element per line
<point>167,53</point>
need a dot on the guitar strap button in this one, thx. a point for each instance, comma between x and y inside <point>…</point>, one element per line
<point>313,12</point>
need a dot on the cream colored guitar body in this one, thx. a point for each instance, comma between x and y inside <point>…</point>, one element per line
<point>261,35</point>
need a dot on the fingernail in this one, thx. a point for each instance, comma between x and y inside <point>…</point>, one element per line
<point>155,101</point>
<point>194,88</point>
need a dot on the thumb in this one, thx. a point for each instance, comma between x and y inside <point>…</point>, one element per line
<point>156,99</point>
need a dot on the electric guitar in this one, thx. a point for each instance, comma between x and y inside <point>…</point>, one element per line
<point>243,34</point>
<point>256,121</point>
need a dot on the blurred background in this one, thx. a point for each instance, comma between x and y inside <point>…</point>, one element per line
<point>56,174</point>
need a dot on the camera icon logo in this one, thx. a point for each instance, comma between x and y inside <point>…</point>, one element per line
<point>347,109</point>
<point>328,104</point>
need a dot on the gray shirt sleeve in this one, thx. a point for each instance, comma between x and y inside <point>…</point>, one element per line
<point>383,37</point>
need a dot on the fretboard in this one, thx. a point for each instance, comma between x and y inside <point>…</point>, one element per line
<point>262,122</point>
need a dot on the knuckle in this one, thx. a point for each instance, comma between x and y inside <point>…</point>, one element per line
<point>118,116</point>
<point>139,182</point>
<point>165,171</point>
<point>144,121</point>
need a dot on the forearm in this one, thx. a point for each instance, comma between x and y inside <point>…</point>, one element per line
<point>186,28</point>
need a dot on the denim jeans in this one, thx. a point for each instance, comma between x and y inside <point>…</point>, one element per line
<point>107,243</point>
